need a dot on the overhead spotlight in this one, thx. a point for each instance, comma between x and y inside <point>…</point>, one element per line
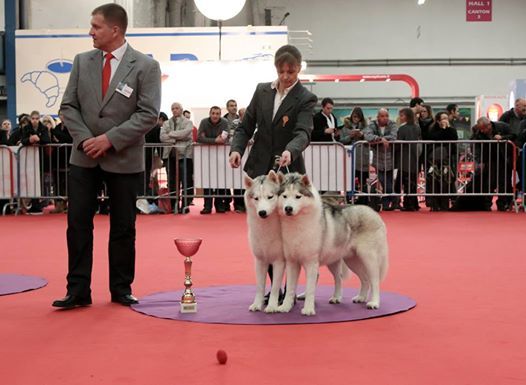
<point>421,2</point>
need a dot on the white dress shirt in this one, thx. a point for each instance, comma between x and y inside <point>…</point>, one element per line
<point>280,96</point>
<point>117,58</point>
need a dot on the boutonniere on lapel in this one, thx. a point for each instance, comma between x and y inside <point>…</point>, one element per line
<point>285,120</point>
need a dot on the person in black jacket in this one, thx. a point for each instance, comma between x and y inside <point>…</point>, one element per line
<point>494,160</point>
<point>5,131</point>
<point>152,136</point>
<point>34,134</point>
<point>60,135</point>
<point>515,116</point>
<point>407,158</point>
<point>325,123</point>
<point>441,174</point>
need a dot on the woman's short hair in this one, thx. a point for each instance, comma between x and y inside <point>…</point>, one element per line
<point>287,54</point>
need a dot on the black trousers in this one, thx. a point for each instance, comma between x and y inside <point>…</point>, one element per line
<point>84,184</point>
<point>407,182</point>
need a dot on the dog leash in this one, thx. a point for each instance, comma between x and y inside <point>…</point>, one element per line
<point>277,167</point>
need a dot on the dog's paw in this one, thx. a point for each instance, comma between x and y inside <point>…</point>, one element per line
<point>255,307</point>
<point>373,305</point>
<point>272,309</point>
<point>335,300</point>
<point>285,307</point>
<point>358,299</point>
<point>308,310</point>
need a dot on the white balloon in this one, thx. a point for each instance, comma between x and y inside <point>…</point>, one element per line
<point>220,9</point>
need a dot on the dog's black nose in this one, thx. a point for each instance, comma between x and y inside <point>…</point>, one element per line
<point>288,210</point>
<point>262,213</point>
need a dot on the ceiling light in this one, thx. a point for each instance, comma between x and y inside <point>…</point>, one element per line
<point>220,10</point>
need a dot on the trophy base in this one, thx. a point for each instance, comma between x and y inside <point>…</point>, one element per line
<point>188,307</point>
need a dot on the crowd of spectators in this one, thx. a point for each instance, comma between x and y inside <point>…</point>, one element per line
<point>379,164</point>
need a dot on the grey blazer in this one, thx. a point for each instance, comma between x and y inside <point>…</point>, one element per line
<point>123,119</point>
<point>289,130</point>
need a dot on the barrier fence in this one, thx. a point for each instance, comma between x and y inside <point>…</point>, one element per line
<point>371,173</point>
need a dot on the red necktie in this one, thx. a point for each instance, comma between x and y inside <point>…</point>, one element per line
<point>106,73</point>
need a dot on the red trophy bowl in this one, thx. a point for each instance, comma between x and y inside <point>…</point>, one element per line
<point>188,248</point>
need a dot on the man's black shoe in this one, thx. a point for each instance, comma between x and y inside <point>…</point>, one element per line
<point>72,301</point>
<point>125,299</point>
<point>206,211</point>
<point>220,210</point>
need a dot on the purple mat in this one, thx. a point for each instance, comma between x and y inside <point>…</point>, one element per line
<point>16,283</point>
<point>229,305</point>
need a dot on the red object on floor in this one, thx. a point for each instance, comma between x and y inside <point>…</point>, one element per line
<point>465,270</point>
<point>221,357</point>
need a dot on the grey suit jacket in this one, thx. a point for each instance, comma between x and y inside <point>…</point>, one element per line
<point>289,130</point>
<point>123,119</point>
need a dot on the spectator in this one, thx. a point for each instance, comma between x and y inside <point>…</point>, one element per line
<point>50,159</point>
<point>187,114</point>
<point>214,130</point>
<point>425,120</point>
<point>453,114</point>
<point>16,134</point>
<point>35,133</point>
<point>60,134</point>
<point>515,116</point>
<point>379,133</point>
<point>441,174</point>
<point>417,105</point>
<point>5,132</point>
<point>407,158</point>
<point>233,119</point>
<point>351,132</point>
<point>325,123</point>
<point>178,131</point>
<point>494,160</point>
<point>151,158</point>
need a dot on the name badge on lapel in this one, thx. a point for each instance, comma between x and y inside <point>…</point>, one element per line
<point>124,89</point>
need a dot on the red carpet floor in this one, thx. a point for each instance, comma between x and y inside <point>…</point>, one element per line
<point>467,272</point>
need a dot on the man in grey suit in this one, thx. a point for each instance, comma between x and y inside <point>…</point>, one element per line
<point>112,99</point>
<point>282,112</point>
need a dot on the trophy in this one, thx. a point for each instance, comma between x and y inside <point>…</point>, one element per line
<point>188,247</point>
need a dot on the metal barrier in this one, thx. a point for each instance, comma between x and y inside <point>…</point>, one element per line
<point>436,170</point>
<point>325,163</point>
<point>8,189</point>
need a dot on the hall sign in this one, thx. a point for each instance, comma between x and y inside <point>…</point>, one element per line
<point>478,10</point>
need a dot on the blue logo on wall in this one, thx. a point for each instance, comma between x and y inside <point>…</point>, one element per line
<point>60,66</point>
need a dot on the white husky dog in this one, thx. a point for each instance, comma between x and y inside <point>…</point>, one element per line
<point>264,234</point>
<point>315,233</point>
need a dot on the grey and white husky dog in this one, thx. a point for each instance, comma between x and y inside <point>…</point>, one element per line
<point>264,235</point>
<point>317,233</point>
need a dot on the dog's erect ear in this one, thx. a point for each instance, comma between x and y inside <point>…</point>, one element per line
<point>273,176</point>
<point>247,181</point>
<point>305,180</point>
<point>281,177</point>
